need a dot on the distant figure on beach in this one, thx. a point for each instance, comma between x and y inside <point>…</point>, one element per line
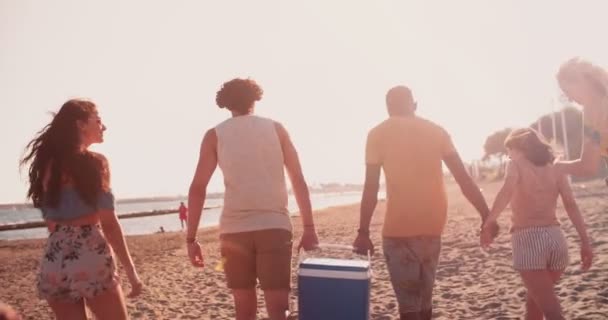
<point>255,227</point>
<point>183,214</point>
<point>540,252</point>
<point>411,150</point>
<point>161,230</point>
<point>8,313</point>
<point>71,186</point>
<point>587,84</point>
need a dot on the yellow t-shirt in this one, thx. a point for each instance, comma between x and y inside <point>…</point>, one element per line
<point>410,151</point>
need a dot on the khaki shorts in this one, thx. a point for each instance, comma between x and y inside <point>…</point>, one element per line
<point>253,255</point>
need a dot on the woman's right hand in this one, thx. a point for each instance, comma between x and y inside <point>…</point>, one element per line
<point>196,254</point>
<point>136,286</point>
<point>586,256</point>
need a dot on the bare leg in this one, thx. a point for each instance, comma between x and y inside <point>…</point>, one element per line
<point>109,305</point>
<point>540,286</point>
<point>245,303</point>
<point>68,310</point>
<point>533,311</point>
<point>277,303</point>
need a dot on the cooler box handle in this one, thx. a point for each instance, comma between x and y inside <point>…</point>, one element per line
<point>334,246</point>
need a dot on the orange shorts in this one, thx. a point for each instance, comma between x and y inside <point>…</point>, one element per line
<point>263,255</point>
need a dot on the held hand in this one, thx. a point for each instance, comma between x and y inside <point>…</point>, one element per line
<point>196,254</point>
<point>363,244</point>
<point>485,238</point>
<point>489,231</point>
<point>309,240</point>
<point>586,256</point>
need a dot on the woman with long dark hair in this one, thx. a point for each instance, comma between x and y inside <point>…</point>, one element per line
<point>71,186</point>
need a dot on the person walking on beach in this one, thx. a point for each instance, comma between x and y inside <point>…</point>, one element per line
<point>255,227</point>
<point>540,252</point>
<point>71,186</point>
<point>587,84</point>
<point>411,150</point>
<point>183,214</point>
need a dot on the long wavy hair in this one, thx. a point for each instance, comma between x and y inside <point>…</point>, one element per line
<point>595,76</point>
<point>530,143</point>
<point>54,157</point>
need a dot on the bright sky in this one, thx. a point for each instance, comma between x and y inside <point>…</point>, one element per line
<point>153,68</point>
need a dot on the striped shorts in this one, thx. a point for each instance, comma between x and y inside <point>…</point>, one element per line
<point>539,248</point>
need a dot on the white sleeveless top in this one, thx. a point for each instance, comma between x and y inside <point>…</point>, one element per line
<point>251,158</point>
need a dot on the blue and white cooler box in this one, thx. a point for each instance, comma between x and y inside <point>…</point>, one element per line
<point>333,289</point>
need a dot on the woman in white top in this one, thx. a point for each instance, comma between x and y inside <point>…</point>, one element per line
<point>255,227</point>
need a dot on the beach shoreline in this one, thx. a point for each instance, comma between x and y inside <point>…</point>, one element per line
<point>471,283</point>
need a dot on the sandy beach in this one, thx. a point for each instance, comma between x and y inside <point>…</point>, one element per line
<point>471,284</point>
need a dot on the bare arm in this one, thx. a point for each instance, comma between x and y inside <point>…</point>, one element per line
<point>577,220</point>
<point>300,188</point>
<point>369,199</point>
<point>468,187</point>
<point>197,193</point>
<point>572,209</point>
<point>294,170</point>
<point>503,198</point>
<point>589,161</point>
<point>113,232</point>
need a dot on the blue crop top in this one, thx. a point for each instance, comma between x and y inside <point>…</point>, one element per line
<point>71,205</point>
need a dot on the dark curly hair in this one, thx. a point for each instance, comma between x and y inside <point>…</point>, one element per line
<point>239,95</point>
<point>530,143</point>
<point>56,151</point>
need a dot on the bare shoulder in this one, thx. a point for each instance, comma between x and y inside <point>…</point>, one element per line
<point>210,133</point>
<point>281,131</point>
<point>378,129</point>
<point>100,156</point>
<point>443,132</point>
<point>209,139</point>
<point>278,125</point>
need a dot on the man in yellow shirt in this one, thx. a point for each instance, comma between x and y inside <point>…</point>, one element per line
<point>411,150</point>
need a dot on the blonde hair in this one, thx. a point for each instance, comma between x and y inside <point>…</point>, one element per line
<point>577,68</point>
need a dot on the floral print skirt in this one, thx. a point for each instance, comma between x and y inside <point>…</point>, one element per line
<point>77,264</point>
